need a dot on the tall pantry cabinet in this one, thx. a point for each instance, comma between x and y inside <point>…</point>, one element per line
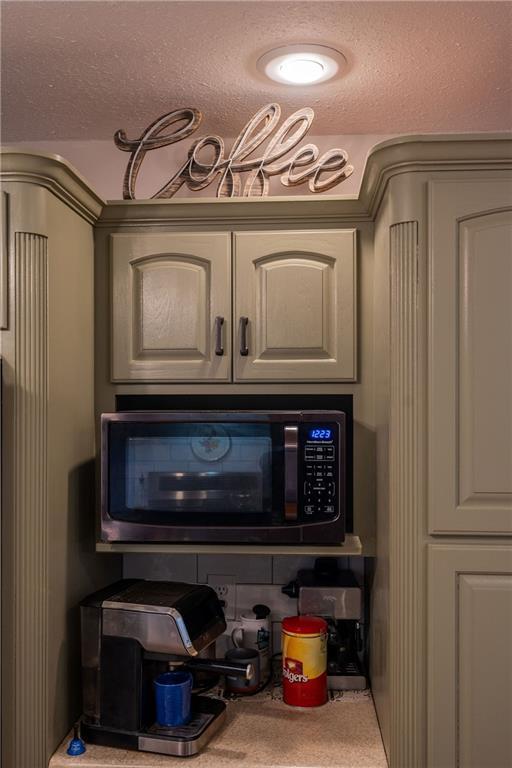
<point>449,251</point>
<point>470,470</point>
<point>48,448</point>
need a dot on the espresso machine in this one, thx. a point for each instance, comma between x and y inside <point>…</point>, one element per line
<point>336,596</point>
<point>134,630</point>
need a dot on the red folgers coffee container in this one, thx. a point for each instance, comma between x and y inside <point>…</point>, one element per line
<point>304,661</point>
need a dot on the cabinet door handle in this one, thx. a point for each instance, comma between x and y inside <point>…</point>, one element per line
<point>219,322</point>
<point>244,349</point>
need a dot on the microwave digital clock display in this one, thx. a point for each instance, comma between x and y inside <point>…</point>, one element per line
<point>320,433</point>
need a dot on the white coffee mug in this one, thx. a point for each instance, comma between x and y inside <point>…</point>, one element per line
<point>254,633</point>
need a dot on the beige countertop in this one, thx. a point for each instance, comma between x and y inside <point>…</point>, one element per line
<point>262,732</point>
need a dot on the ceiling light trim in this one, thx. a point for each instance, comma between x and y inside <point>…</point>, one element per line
<point>316,63</point>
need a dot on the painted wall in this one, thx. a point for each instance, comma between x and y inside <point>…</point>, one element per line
<point>103,165</point>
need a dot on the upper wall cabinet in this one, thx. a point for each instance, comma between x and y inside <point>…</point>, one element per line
<point>171,306</point>
<point>470,357</point>
<point>295,305</point>
<point>292,316</point>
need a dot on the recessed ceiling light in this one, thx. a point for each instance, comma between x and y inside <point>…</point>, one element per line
<point>301,64</point>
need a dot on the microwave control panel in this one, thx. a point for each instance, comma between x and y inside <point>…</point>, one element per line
<point>320,476</point>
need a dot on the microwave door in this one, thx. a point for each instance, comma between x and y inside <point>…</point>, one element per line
<point>193,474</point>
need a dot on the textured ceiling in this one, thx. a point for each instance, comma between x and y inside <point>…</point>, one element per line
<point>84,69</point>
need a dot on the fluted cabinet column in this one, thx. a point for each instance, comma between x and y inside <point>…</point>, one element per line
<point>30,495</point>
<point>406,561</point>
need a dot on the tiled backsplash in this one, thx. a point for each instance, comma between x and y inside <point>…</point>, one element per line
<point>244,569</point>
<point>254,579</point>
<point>160,567</point>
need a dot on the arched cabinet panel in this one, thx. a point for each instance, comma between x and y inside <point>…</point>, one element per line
<point>162,326</point>
<point>295,306</point>
<point>485,346</point>
<point>168,291</point>
<point>469,655</point>
<point>471,358</point>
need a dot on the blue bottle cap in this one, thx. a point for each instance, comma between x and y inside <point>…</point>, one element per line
<point>76,747</point>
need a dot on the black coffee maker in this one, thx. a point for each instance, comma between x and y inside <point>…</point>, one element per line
<point>132,631</point>
<point>336,596</point>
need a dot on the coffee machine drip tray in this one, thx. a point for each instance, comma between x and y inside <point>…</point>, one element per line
<point>208,715</point>
<point>198,725</point>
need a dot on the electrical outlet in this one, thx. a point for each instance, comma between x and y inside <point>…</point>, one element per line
<point>226,590</point>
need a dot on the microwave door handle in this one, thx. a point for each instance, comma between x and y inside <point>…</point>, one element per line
<point>291,434</point>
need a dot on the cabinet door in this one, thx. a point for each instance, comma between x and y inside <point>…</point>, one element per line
<point>470,656</point>
<point>470,435</point>
<point>297,292</point>
<point>168,292</point>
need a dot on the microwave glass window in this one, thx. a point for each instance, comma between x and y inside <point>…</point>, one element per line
<point>189,469</point>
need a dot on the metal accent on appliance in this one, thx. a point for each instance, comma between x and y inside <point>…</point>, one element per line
<point>157,631</point>
<point>330,602</point>
<point>219,348</point>
<point>144,611</point>
<point>195,495</point>
<point>291,439</point>
<point>179,748</point>
<point>220,416</point>
<point>201,489</point>
<point>221,667</point>
<point>185,475</point>
<point>244,349</point>
<point>183,486</point>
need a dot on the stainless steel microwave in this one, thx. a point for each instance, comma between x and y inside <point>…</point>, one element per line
<point>275,477</point>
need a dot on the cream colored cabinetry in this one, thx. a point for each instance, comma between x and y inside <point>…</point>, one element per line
<point>292,316</point>
<point>470,656</point>
<point>171,309</point>
<point>295,305</point>
<point>48,450</point>
<point>446,234</point>
<point>469,477</point>
<point>470,399</point>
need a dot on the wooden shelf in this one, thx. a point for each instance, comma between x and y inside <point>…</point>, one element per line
<point>352,546</point>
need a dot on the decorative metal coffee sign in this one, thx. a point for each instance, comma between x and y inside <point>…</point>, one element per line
<point>238,174</point>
